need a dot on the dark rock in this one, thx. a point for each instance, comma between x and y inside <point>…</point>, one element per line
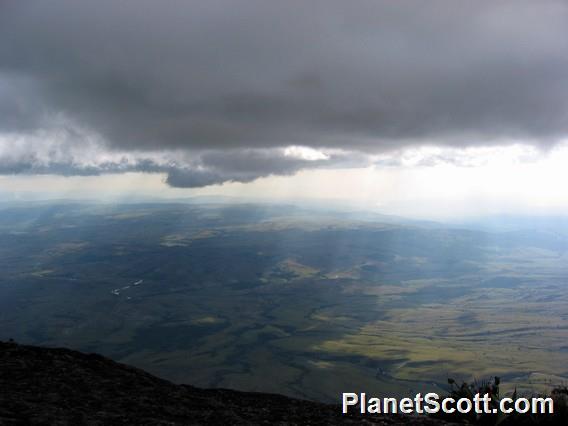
<point>45,386</point>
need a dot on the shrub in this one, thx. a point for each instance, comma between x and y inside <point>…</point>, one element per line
<point>559,396</point>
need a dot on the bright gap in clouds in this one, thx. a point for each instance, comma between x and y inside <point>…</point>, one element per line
<point>423,182</point>
<point>305,153</point>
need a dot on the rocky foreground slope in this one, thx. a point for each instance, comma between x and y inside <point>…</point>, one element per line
<point>45,386</point>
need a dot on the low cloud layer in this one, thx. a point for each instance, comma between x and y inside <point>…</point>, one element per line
<point>213,91</point>
<point>76,153</point>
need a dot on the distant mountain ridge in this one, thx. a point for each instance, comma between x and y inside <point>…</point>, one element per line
<point>50,386</point>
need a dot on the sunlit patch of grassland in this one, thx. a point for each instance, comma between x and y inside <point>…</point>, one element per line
<point>322,364</point>
<point>351,273</point>
<point>42,273</point>
<point>62,249</point>
<point>185,239</point>
<point>379,290</point>
<point>300,270</point>
<point>207,320</point>
<point>320,316</point>
<point>175,240</point>
<point>510,333</point>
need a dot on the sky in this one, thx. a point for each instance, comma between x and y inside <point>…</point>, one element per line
<point>438,107</point>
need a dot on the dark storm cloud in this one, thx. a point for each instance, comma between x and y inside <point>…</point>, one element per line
<point>367,76</point>
<point>243,166</point>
